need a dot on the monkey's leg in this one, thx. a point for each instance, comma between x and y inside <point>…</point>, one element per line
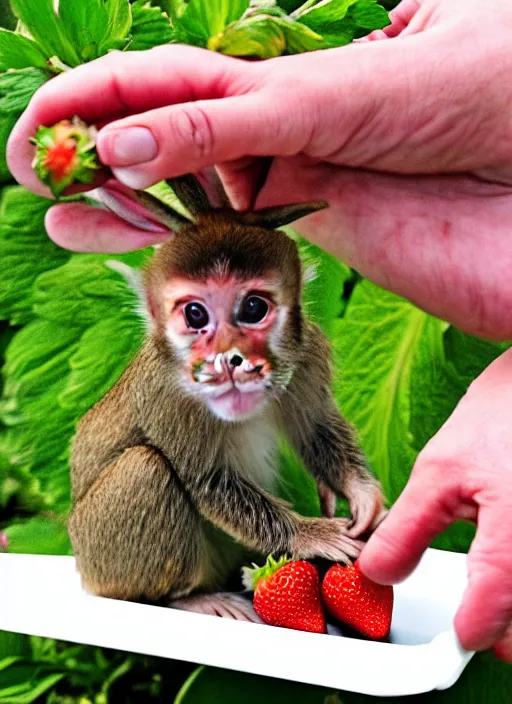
<point>135,533</point>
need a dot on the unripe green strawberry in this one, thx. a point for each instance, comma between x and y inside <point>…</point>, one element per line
<point>65,154</point>
<point>358,602</point>
<point>287,594</point>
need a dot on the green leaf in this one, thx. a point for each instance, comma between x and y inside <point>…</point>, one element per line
<point>119,21</point>
<point>150,27</point>
<point>341,21</point>
<point>376,345</point>
<point>85,23</point>
<point>17,88</point>
<point>323,290</point>
<point>209,685</point>
<point>83,291</point>
<point>25,251</point>
<point>90,377</point>
<point>203,19</point>
<point>95,26</point>
<point>39,536</point>
<point>7,122</point>
<point>13,645</point>
<point>39,17</point>
<point>369,15</point>
<point>22,683</point>
<point>256,36</point>
<point>7,19</point>
<point>62,362</point>
<point>17,51</point>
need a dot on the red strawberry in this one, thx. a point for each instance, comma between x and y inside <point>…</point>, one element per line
<point>287,594</point>
<point>65,154</point>
<point>357,601</point>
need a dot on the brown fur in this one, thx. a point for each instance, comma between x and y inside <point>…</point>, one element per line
<point>161,508</point>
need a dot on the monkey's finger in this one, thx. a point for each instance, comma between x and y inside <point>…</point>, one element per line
<point>327,500</point>
<point>486,610</point>
<point>83,228</point>
<point>427,506</point>
<point>365,509</point>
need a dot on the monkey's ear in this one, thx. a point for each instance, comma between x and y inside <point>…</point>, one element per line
<point>139,208</point>
<point>200,193</point>
<point>271,218</point>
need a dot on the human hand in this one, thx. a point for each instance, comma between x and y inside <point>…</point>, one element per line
<point>434,98</point>
<point>465,472</point>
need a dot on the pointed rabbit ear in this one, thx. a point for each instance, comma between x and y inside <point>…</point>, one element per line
<point>140,209</point>
<point>271,218</point>
<point>200,193</point>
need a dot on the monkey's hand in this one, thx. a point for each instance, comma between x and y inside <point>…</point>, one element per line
<point>328,538</point>
<point>366,502</point>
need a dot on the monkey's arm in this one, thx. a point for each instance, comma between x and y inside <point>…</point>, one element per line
<point>325,441</point>
<point>262,522</point>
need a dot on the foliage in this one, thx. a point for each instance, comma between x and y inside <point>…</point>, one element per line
<point>399,372</point>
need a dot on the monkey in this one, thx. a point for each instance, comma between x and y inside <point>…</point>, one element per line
<point>174,470</point>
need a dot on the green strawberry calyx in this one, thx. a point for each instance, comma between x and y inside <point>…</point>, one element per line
<point>65,154</point>
<point>252,575</point>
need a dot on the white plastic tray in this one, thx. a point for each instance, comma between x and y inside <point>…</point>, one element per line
<point>42,596</point>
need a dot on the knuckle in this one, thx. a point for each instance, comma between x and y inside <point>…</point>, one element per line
<point>193,128</point>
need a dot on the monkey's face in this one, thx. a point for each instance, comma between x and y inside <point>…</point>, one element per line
<point>228,335</point>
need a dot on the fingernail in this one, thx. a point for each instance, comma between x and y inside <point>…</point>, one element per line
<point>129,146</point>
<point>132,177</point>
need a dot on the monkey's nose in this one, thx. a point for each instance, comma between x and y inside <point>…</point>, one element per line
<point>236,360</point>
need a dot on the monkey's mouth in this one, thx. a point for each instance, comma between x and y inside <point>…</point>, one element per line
<point>232,386</point>
<point>238,401</point>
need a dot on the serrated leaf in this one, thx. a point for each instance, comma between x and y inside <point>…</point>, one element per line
<point>38,536</point>
<point>150,27</point>
<point>341,21</point>
<point>39,17</point>
<point>17,88</point>
<point>203,19</point>
<point>17,51</point>
<point>25,251</point>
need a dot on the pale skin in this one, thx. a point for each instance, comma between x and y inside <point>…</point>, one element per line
<point>409,138</point>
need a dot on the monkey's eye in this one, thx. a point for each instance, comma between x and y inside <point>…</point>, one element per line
<point>253,310</point>
<point>196,315</point>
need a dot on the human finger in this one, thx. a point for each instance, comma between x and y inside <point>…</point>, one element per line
<point>110,87</point>
<point>84,228</point>
<point>427,506</point>
<point>486,610</point>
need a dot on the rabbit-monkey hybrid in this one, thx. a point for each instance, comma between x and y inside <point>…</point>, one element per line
<point>173,470</point>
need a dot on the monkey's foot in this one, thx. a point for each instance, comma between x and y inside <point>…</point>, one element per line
<point>223,604</point>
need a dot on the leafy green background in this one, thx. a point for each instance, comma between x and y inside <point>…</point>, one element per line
<point>399,371</point>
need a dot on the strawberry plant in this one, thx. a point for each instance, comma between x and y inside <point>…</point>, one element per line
<point>400,372</point>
